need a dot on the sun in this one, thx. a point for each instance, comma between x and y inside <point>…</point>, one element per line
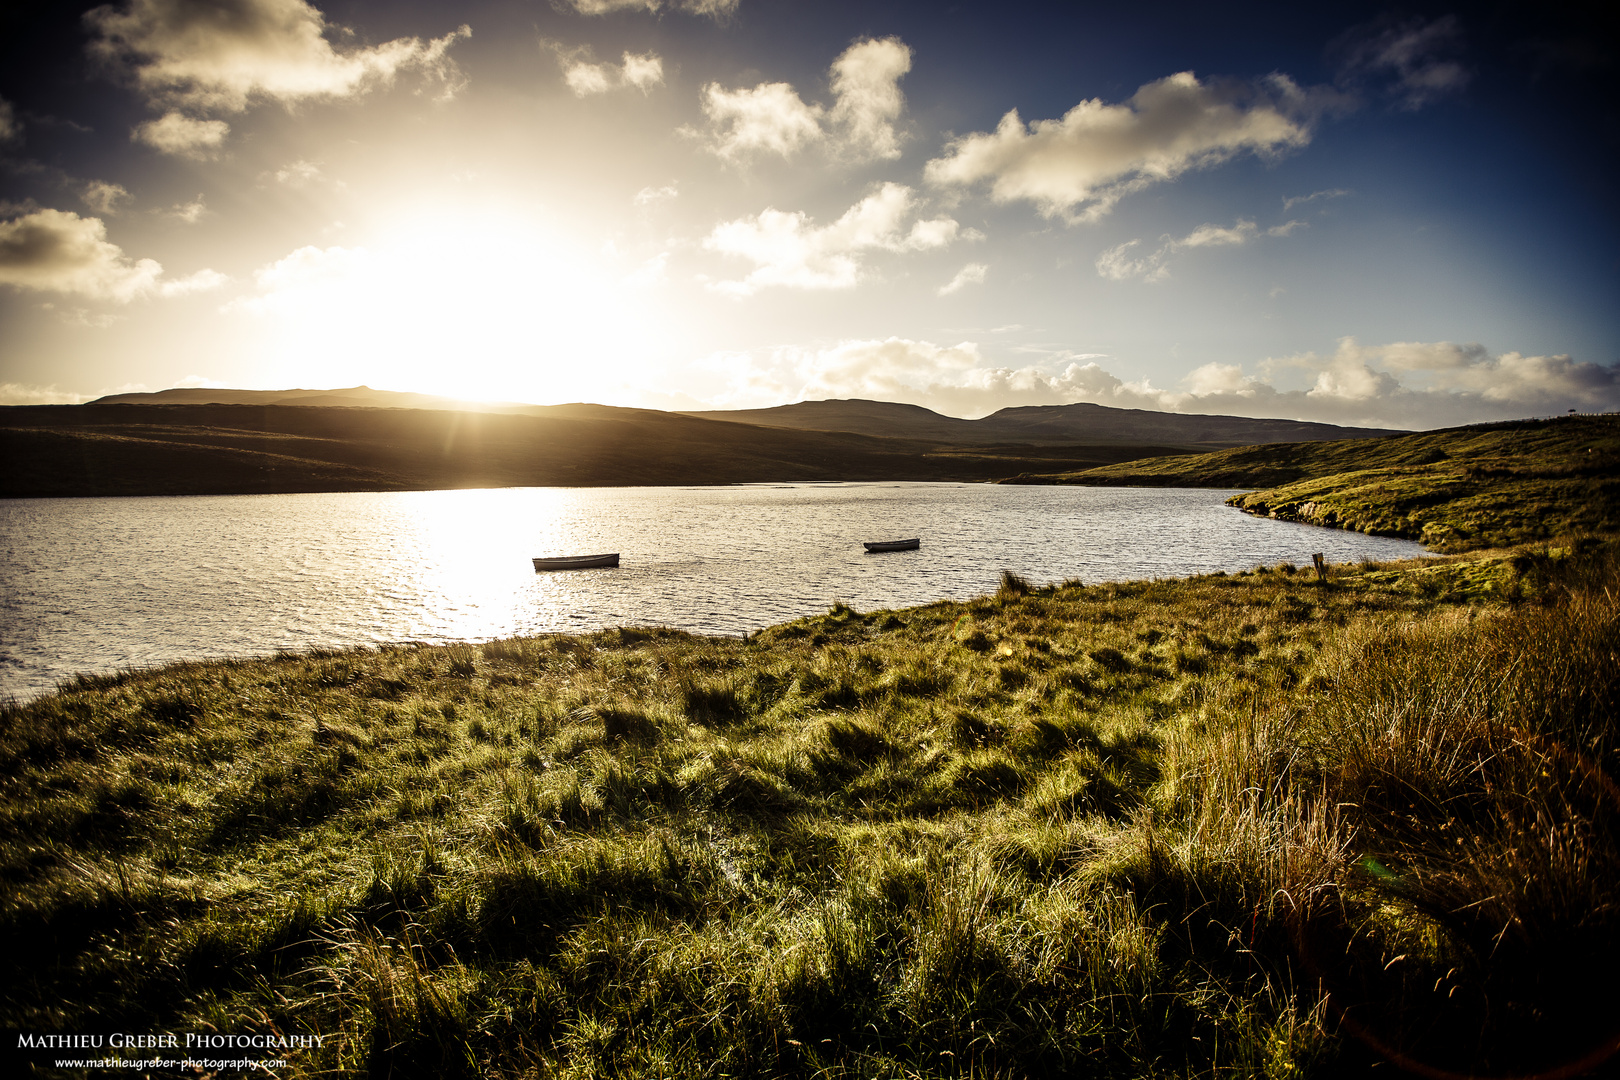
<point>479,304</point>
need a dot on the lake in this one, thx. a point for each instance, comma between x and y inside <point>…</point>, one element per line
<point>95,585</point>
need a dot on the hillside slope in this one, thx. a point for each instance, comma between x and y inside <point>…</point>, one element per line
<point>236,449</point>
<point>1080,423</point>
<point>1454,489</point>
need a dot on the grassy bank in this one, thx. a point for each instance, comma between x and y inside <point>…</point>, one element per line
<point>1245,825</point>
<point>1457,489</point>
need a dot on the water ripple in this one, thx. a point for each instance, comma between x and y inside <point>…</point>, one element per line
<point>101,584</point>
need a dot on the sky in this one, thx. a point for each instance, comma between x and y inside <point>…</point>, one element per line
<point>1398,216</point>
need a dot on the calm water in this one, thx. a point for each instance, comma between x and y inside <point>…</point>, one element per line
<point>101,584</point>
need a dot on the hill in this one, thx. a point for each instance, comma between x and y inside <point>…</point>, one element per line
<point>1079,423</point>
<point>194,449</point>
<point>352,396</point>
<point>1454,489</point>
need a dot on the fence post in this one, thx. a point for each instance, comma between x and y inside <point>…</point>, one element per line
<point>1321,568</point>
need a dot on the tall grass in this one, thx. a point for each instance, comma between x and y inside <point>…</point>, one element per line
<point>1229,826</point>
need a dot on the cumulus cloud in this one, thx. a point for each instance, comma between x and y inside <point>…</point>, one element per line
<point>1080,166</point>
<point>788,250</point>
<point>218,55</point>
<point>58,251</point>
<point>183,136</point>
<point>867,98</point>
<point>103,197</point>
<point>585,76</point>
<point>1401,385</point>
<point>1416,56</point>
<point>771,118</point>
<point>1123,262</point>
<point>971,274</point>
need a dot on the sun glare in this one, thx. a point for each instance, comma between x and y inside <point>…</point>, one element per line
<point>475,305</point>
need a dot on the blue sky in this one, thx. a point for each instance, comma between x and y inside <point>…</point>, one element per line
<point>1359,213</point>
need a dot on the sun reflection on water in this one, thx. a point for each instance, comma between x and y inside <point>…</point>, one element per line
<point>98,584</point>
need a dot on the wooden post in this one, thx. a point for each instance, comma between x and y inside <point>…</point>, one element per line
<point>1321,568</point>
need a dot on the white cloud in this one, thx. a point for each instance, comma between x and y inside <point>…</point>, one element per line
<point>103,197</point>
<point>585,76</point>
<point>58,251</point>
<point>771,118</point>
<point>1440,383</point>
<point>788,250</point>
<point>307,274</point>
<point>220,55</point>
<point>650,194</point>
<point>187,213</point>
<point>1078,167</point>
<point>23,394</point>
<point>719,10</point>
<point>971,274</point>
<point>1416,54</point>
<point>181,135</point>
<point>1121,262</point>
<point>10,127</point>
<point>867,98</point>
<point>298,174</point>
<point>201,281</point>
<point>1299,200</point>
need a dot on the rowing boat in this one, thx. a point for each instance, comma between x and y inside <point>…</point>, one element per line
<point>577,562</point>
<point>874,546</point>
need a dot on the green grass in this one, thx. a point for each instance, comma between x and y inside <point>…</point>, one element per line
<point>1120,830</point>
<point>1458,489</point>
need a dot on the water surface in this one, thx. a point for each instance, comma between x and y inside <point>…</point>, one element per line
<point>101,584</point>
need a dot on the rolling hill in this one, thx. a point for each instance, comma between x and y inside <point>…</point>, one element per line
<point>1082,423</point>
<point>130,449</point>
<point>1455,489</point>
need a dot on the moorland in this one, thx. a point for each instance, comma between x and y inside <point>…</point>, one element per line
<point>1258,824</point>
<point>177,442</point>
<point>1274,823</point>
<point>1454,489</point>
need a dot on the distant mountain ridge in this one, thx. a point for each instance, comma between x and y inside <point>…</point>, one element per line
<point>1079,424</point>
<point>211,449</point>
<point>1082,423</point>
<point>349,397</point>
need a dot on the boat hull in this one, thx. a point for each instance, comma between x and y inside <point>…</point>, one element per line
<point>875,546</point>
<point>577,562</point>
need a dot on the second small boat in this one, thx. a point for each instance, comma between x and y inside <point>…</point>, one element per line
<point>577,562</point>
<point>875,546</point>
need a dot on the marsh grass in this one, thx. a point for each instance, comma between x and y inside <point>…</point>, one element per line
<point>1237,825</point>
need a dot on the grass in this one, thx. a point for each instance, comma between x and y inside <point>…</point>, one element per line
<point>1457,489</point>
<point>1234,825</point>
